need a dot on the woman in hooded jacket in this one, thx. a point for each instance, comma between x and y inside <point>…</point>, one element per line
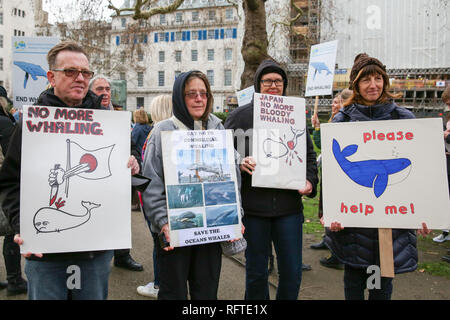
<point>357,248</point>
<point>197,266</point>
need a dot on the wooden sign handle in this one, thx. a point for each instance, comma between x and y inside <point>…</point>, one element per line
<point>316,106</point>
<point>386,253</point>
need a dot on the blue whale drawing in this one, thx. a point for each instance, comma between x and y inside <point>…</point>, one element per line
<point>319,67</point>
<point>32,70</point>
<point>368,173</point>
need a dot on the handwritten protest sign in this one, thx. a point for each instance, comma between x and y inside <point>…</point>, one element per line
<point>321,69</point>
<point>279,142</point>
<point>385,174</point>
<point>202,194</point>
<point>75,185</point>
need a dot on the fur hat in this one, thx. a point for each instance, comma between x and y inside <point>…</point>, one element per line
<point>362,60</point>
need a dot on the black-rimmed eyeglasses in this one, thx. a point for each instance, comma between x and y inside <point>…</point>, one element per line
<point>268,82</point>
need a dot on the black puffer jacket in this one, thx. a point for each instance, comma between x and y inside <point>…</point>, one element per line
<point>359,247</point>
<point>10,172</point>
<point>269,202</point>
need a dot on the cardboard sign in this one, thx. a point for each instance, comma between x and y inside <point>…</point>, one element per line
<point>202,193</point>
<point>322,62</point>
<point>385,174</point>
<point>279,142</point>
<point>75,184</point>
<point>29,71</point>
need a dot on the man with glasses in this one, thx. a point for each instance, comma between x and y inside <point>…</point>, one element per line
<point>48,274</point>
<point>271,215</point>
<point>101,86</point>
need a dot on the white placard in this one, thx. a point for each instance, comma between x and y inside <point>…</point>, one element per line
<point>89,209</point>
<point>279,142</point>
<point>202,194</point>
<point>245,96</point>
<point>385,174</point>
<point>29,68</point>
<point>322,62</point>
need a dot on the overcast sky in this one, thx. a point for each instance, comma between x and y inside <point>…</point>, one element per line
<point>68,10</point>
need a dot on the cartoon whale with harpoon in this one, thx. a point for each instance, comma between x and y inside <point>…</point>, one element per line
<point>319,67</point>
<point>32,70</point>
<point>49,219</point>
<point>368,173</point>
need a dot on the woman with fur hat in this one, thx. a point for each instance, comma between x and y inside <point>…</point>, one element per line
<point>357,248</point>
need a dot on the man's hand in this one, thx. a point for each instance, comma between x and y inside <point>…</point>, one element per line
<point>134,165</point>
<point>165,229</point>
<point>19,241</point>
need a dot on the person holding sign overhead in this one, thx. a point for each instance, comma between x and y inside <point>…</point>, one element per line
<point>48,274</point>
<point>195,265</point>
<point>271,214</point>
<point>357,248</point>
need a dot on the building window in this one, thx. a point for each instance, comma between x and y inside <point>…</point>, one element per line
<point>194,35</point>
<point>1,63</point>
<point>161,56</point>
<point>212,15</point>
<point>122,76</point>
<point>140,77</point>
<point>140,55</point>
<point>1,41</point>
<point>178,17</point>
<point>194,55</point>
<point>178,35</point>
<point>1,17</point>
<point>195,16</point>
<point>178,55</point>
<point>162,19</point>
<point>210,76</point>
<point>228,54</point>
<point>161,78</point>
<point>139,102</point>
<point>123,22</point>
<point>229,14</point>
<point>228,33</point>
<point>211,34</point>
<point>227,77</point>
<point>210,54</point>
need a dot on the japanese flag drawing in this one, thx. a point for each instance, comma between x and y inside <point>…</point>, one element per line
<point>87,164</point>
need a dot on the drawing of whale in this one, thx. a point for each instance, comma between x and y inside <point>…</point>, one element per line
<point>368,173</point>
<point>47,219</point>
<point>319,67</point>
<point>32,70</point>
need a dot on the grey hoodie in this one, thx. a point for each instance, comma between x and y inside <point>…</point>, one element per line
<point>154,197</point>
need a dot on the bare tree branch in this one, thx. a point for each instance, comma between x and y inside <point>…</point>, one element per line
<point>141,13</point>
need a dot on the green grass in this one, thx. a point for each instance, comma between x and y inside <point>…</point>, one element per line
<point>440,268</point>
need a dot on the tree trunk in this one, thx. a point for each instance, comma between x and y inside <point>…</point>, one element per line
<point>254,43</point>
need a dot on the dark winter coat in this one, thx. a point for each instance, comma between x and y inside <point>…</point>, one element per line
<point>139,135</point>
<point>359,247</point>
<point>268,202</point>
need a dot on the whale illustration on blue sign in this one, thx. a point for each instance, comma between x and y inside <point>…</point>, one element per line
<point>319,67</point>
<point>368,173</point>
<point>32,70</point>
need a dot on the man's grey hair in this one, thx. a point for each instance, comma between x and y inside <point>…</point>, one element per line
<point>98,78</point>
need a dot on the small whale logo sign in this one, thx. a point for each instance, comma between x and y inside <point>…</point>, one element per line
<point>319,67</point>
<point>49,219</point>
<point>368,173</point>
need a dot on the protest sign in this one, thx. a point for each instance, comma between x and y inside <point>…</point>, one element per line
<point>75,185</point>
<point>245,96</point>
<point>29,72</point>
<point>385,174</point>
<point>203,203</point>
<point>321,69</point>
<point>279,142</point>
